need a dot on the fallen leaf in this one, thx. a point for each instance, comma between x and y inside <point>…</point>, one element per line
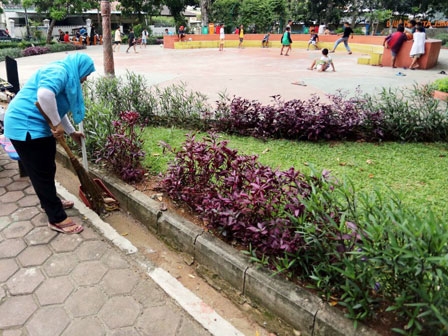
<point>265,151</point>
<point>333,303</point>
<point>124,234</point>
<point>371,176</point>
<point>369,161</point>
<point>192,276</point>
<point>305,163</point>
<point>155,154</point>
<point>342,163</point>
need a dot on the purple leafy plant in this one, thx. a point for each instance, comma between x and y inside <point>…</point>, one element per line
<point>31,51</point>
<point>123,150</point>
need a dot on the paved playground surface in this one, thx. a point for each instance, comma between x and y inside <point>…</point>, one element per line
<point>252,73</point>
<point>53,284</point>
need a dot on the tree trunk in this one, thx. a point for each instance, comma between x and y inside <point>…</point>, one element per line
<point>108,57</point>
<point>205,4</point>
<point>50,31</point>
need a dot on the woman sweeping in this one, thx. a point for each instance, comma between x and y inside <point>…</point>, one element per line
<point>57,88</point>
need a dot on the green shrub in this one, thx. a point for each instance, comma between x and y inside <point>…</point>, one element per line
<point>441,84</point>
<point>443,37</point>
<point>11,52</point>
<point>58,47</point>
<point>177,106</point>
<point>410,114</point>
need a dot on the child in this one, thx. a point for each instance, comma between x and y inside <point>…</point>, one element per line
<point>313,40</point>
<point>394,42</point>
<point>418,47</point>
<point>323,63</point>
<point>345,36</point>
<point>222,37</point>
<point>286,41</point>
<point>265,42</point>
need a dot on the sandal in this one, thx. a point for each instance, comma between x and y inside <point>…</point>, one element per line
<point>66,204</point>
<point>65,227</point>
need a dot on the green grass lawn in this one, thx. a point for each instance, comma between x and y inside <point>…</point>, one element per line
<point>416,172</point>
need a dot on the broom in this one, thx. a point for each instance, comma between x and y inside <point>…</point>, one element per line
<point>91,189</point>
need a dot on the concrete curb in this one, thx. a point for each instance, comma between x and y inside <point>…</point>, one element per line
<point>296,306</point>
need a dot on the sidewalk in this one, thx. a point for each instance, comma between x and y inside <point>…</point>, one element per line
<point>55,284</point>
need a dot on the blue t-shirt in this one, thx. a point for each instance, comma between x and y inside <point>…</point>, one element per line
<point>22,116</point>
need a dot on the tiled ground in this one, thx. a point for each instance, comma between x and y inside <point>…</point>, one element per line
<point>55,284</point>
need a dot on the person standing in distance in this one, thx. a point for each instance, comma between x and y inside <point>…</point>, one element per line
<point>241,36</point>
<point>222,37</point>
<point>117,40</point>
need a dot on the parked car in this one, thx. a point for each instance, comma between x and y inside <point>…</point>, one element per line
<point>5,37</point>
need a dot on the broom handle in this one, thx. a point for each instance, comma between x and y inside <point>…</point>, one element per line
<point>61,140</point>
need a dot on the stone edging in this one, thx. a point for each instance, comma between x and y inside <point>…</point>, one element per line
<point>298,307</point>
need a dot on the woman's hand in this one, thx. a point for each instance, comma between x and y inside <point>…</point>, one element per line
<point>58,131</point>
<point>77,136</point>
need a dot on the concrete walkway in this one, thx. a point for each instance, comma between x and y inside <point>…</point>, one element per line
<point>55,284</point>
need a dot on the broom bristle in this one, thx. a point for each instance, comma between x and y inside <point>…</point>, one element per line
<point>92,191</point>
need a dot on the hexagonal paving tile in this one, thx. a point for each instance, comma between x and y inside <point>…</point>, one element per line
<point>29,201</point>
<point>129,331</point>
<point>16,310</point>
<point>2,191</point>
<point>4,221</point>
<point>119,281</point>
<point>14,332</point>
<point>17,229</point>
<point>54,290</point>
<point>85,301</point>
<point>8,209</point>
<point>11,247</point>
<point>12,165</point>
<point>89,233</point>
<point>25,281</point>
<point>91,250</point>
<point>48,321</point>
<point>85,326</point>
<point>25,213</point>
<point>2,294</point>
<point>7,268</point>
<point>66,243</point>
<point>34,255</point>
<point>19,185</point>
<point>4,179</point>
<point>60,264</point>
<point>119,312</point>
<point>11,196</point>
<point>40,235</point>
<point>30,190</point>
<point>149,294</point>
<point>89,273</point>
<point>113,259</point>
<point>39,220</point>
<point>159,321</point>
